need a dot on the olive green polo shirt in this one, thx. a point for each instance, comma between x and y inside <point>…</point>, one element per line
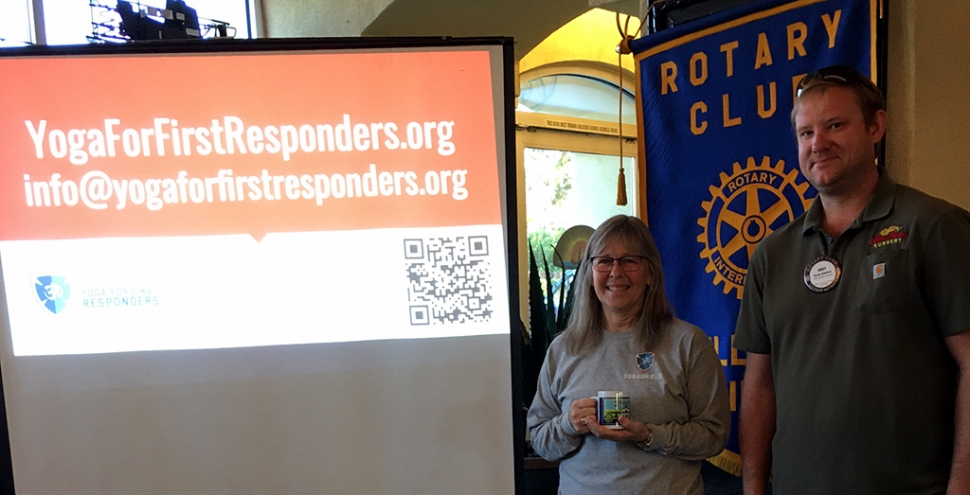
<point>865,386</point>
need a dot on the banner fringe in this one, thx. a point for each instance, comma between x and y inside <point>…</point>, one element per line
<point>728,461</point>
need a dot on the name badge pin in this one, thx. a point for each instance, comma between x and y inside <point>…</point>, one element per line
<point>822,274</point>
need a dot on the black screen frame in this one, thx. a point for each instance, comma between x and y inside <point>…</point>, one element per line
<point>508,187</point>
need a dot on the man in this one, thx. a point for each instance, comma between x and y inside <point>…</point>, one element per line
<point>855,318</point>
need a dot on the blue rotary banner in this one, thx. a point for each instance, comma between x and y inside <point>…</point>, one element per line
<point>719,150</point>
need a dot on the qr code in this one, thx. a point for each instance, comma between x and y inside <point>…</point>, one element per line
<point>449,280</point>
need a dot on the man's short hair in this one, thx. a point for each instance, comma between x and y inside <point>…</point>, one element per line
<point>867,94</point>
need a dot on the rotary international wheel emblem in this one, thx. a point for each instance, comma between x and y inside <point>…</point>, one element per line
<point>749,204</point>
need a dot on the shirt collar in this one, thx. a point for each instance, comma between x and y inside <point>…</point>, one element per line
<point>879,206</point>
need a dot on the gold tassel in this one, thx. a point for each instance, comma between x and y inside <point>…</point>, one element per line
<point>621,188</point>
<point>622,49</point>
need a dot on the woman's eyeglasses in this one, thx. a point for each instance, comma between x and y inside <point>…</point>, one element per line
<point>627,263</point>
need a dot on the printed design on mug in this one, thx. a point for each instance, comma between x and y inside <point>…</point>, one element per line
<point>610,407</point>
<point>645,361</point>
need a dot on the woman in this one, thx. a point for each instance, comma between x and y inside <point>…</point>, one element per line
<point>622,336</point>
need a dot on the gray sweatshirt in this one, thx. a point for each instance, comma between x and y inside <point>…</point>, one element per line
<point>678,389</point>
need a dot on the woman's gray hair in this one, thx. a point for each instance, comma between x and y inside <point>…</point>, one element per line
<point>586,321</point>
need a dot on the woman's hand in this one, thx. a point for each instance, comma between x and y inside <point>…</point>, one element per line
<point>633,430</point>
<point>579,414</point>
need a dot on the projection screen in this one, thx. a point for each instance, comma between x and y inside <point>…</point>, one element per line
<point>269,267</point>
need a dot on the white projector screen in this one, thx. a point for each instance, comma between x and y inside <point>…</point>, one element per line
<point>275,267</point>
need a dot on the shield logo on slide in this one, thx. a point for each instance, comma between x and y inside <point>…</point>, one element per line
<point>52,292</point>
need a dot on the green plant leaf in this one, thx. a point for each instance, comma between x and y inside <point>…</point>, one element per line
<point>570,298</point>
<point>537,312</point>
<point>535,353</point>
<point>560,321</point>
<point>550,304</point>
<point>545,322</point>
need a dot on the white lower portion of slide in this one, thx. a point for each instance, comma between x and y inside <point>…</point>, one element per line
<point>92,296</point>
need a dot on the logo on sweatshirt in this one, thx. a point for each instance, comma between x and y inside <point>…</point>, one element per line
<point>645,361</point>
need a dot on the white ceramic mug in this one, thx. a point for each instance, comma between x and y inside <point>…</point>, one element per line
<point>610,406</point>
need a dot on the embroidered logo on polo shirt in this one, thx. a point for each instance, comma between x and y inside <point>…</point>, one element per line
<point>887,236</point>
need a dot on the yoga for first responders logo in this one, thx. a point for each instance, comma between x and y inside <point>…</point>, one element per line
<point>749,204</point>
<point>52,292</point>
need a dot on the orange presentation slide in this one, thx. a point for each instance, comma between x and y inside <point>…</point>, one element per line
<point>167,145</point>
<point>191,201</point>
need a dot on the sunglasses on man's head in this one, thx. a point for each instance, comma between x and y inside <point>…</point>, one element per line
<point>839,75</point>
